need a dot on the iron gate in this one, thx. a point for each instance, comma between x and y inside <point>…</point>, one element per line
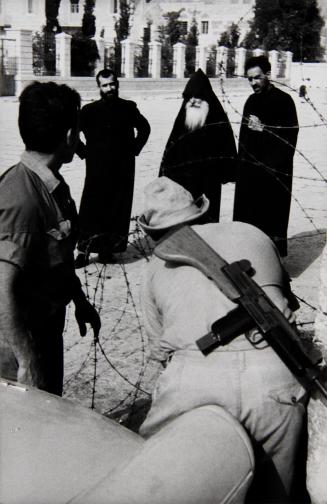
<point>8,66</point>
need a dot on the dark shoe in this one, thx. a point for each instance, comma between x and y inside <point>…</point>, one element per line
<point>81,260</point>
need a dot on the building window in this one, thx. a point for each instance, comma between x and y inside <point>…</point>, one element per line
<point>30,6</point>
<point>234,1</point>
<point>204,27</point>
<point>115,6</point>
<point>246,1</point>
<point>74,7</point>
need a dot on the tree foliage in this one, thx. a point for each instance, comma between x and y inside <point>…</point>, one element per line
<point>88,21</point>
<point>44,45</point>
<point>84,51</point>
<point>289,25</point>
<point>211,61</point>
<point>122,26</point>
<point>38,53</point>
<point>230,37</point>
<point>122,29</point>
<point>172,29</point>
<point>51,14</point>
<point>169,34</point>
<point>191,40</point>
<point>142,59</point>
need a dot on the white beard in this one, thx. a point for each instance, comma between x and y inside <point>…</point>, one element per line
<point>195,117</point>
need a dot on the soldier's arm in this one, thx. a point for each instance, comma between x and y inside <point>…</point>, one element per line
<point>14,332</point>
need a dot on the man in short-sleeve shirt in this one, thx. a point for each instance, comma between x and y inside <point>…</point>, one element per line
<point>37,240</point>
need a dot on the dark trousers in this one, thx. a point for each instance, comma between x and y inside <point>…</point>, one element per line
<point>49,341</point>
<point>49,346</point>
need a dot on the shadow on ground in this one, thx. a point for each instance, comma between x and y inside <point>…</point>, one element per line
<point>132,418</point>
<point>140,248</point>
<point>303,250</point>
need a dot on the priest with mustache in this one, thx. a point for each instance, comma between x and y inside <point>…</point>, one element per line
<point>200,152</point>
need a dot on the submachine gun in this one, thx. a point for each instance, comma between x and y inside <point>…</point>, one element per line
<point>255,309</point>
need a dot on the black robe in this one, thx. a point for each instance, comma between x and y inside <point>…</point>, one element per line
<point>203,159</point>
<point>265,169</point>
<point>111,147</point>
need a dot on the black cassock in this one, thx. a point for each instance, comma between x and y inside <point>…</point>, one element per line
<point>203,159</point>
<point>265,168</point>
<point>111,147</point>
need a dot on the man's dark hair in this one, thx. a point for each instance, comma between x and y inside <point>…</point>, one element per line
<point>46,113</point>
<point>105,74</point>
<point>258,61</point>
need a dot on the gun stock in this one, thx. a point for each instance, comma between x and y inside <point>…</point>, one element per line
<point>184,246</point>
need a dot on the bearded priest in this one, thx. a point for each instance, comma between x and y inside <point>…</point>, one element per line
<point>200,153</point>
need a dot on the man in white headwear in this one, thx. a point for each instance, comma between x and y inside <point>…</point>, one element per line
<point>249,380</point>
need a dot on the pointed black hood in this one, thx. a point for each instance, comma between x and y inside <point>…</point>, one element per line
<point>190,153</point>
<point>198,86</point>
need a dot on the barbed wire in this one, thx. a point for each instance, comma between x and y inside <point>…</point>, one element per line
<point>129,399</point>
<point>306,98</point>
<point>121,390</point>
<point>269,128</point>
<point>254,162</point>
<point>90,370</point>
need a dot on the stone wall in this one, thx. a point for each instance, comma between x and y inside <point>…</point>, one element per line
<point>227,64</point>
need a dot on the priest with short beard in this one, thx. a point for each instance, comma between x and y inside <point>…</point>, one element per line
<point>200,153</point>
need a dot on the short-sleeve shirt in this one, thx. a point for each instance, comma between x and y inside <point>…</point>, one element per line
<point>38,221</point>
<point>180,303</point>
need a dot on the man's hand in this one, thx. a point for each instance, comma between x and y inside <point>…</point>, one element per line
<point>280,301</point>
<point>254,123</point>
<point>86,313</point>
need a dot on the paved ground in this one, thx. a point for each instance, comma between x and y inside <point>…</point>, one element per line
<point>105,375</point>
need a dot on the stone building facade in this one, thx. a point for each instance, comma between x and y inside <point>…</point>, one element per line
<point>213,16</point>
<point>30,15</point>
